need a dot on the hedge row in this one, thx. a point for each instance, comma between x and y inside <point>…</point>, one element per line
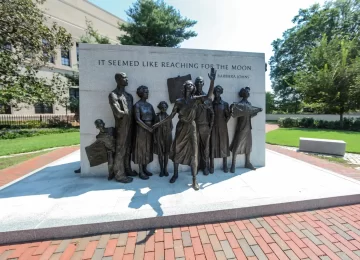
<point>18,133</point>
<point>30,124</point>
<point>351,124</point>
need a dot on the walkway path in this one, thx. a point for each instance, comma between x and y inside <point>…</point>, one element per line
<point>323,234</point>
<point>17,171</point>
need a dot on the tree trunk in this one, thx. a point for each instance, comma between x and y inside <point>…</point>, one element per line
<point>341,120</point>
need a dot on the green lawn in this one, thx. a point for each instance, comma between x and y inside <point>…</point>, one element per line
<point>29,144</point>
<point>10,161</point>
<point>291,137</point>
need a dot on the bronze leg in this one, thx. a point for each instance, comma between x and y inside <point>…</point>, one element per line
<point>175,175</point>
<point>225,167</point>
<point>232,169</point>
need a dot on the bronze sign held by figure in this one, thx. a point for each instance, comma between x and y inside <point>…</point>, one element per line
<point>242,142</point>
<point>103,149</point>
<point>185,147</point>
<point>143,142</point>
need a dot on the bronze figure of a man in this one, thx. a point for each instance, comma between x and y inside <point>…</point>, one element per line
<point>204,122</point>
<point>121,104</point>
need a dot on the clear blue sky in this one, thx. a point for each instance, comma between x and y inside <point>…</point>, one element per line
<point>236,25</point>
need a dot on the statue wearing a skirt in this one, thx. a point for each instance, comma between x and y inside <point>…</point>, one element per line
<point>242,142</point>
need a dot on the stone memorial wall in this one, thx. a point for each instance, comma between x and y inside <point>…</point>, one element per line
<point>158,68</point>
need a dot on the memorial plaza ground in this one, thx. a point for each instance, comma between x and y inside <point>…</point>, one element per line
<point>42,201</point>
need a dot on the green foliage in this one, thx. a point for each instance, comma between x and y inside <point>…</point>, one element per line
<point>92,35</point>
<point>23,27</point>
<point>13,133</point>
<point>154,23</point>
<point>335,19</point>
<point>329,74</point>
<point>270,102</point>
<point>350,124</point>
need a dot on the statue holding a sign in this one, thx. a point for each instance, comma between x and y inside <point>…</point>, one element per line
<point>185,146</point>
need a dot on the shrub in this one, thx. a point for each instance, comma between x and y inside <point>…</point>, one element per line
<point>18,133</point>
<point>288,122</point>
<point>350,124</point>
<point>306,122</point>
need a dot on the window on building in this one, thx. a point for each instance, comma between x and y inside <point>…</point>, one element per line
<point>74,93</point>
<point>5,109</point>
<point>77,52</point>
<point>65,57</point>
<point>46,54</point>
<point>43,109</point>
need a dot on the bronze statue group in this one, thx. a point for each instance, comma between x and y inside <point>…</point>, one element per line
<point>201,133</point>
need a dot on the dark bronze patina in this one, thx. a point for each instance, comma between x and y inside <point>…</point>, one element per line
<point>163,138</point>
<point>185,147</point>
<point>144,113</point>
<point>121,104</point>
<point>175,87</point>
<point>204,122</point>
<point>219,141</point>
<point>242,142</point>
<point>103,149</point>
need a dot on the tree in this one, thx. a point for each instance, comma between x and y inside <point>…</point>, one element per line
<point>154,23</point>
<point>338,18</point>
<point>26,44</point>
<point>329,76</point>
<point>270,102</point>
<point>92,35</point>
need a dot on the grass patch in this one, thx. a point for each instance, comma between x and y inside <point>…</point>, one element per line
<point>30,144</point>
<point>291,137</point>
<point>10,161</point>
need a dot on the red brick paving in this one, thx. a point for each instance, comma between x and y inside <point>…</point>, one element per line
<point>17,171</point>
<point>261,238</point>
<point>333,233</point>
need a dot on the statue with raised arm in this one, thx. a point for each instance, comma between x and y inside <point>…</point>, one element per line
<point>184,149</point>
<point>204,122</point>
<point>142,153</point>
<point>242,142</point>
<point>121,104</point>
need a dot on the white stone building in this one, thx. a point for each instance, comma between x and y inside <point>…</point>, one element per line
<point>72,15</point>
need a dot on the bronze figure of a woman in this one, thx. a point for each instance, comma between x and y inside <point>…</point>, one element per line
<point>143,142</point>
<point>184,149</point>
<point>242,142</point>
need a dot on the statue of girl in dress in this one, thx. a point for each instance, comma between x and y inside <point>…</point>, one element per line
<point>143,143</point>
<point>242,142</point>
<point>184,149</point>
<point>219,139</point>
<point>163,138</point>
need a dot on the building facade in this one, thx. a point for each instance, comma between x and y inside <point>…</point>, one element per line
<point>72,15</point>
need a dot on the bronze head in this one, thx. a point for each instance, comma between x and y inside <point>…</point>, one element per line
<point>163,106</point>
<point>199,83</point>
<point>99,124</point>
<point>189,88</point>
<point>143,92</point>
<point>244,92</point>
<point>121,79</point>
<point>218,90</point>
